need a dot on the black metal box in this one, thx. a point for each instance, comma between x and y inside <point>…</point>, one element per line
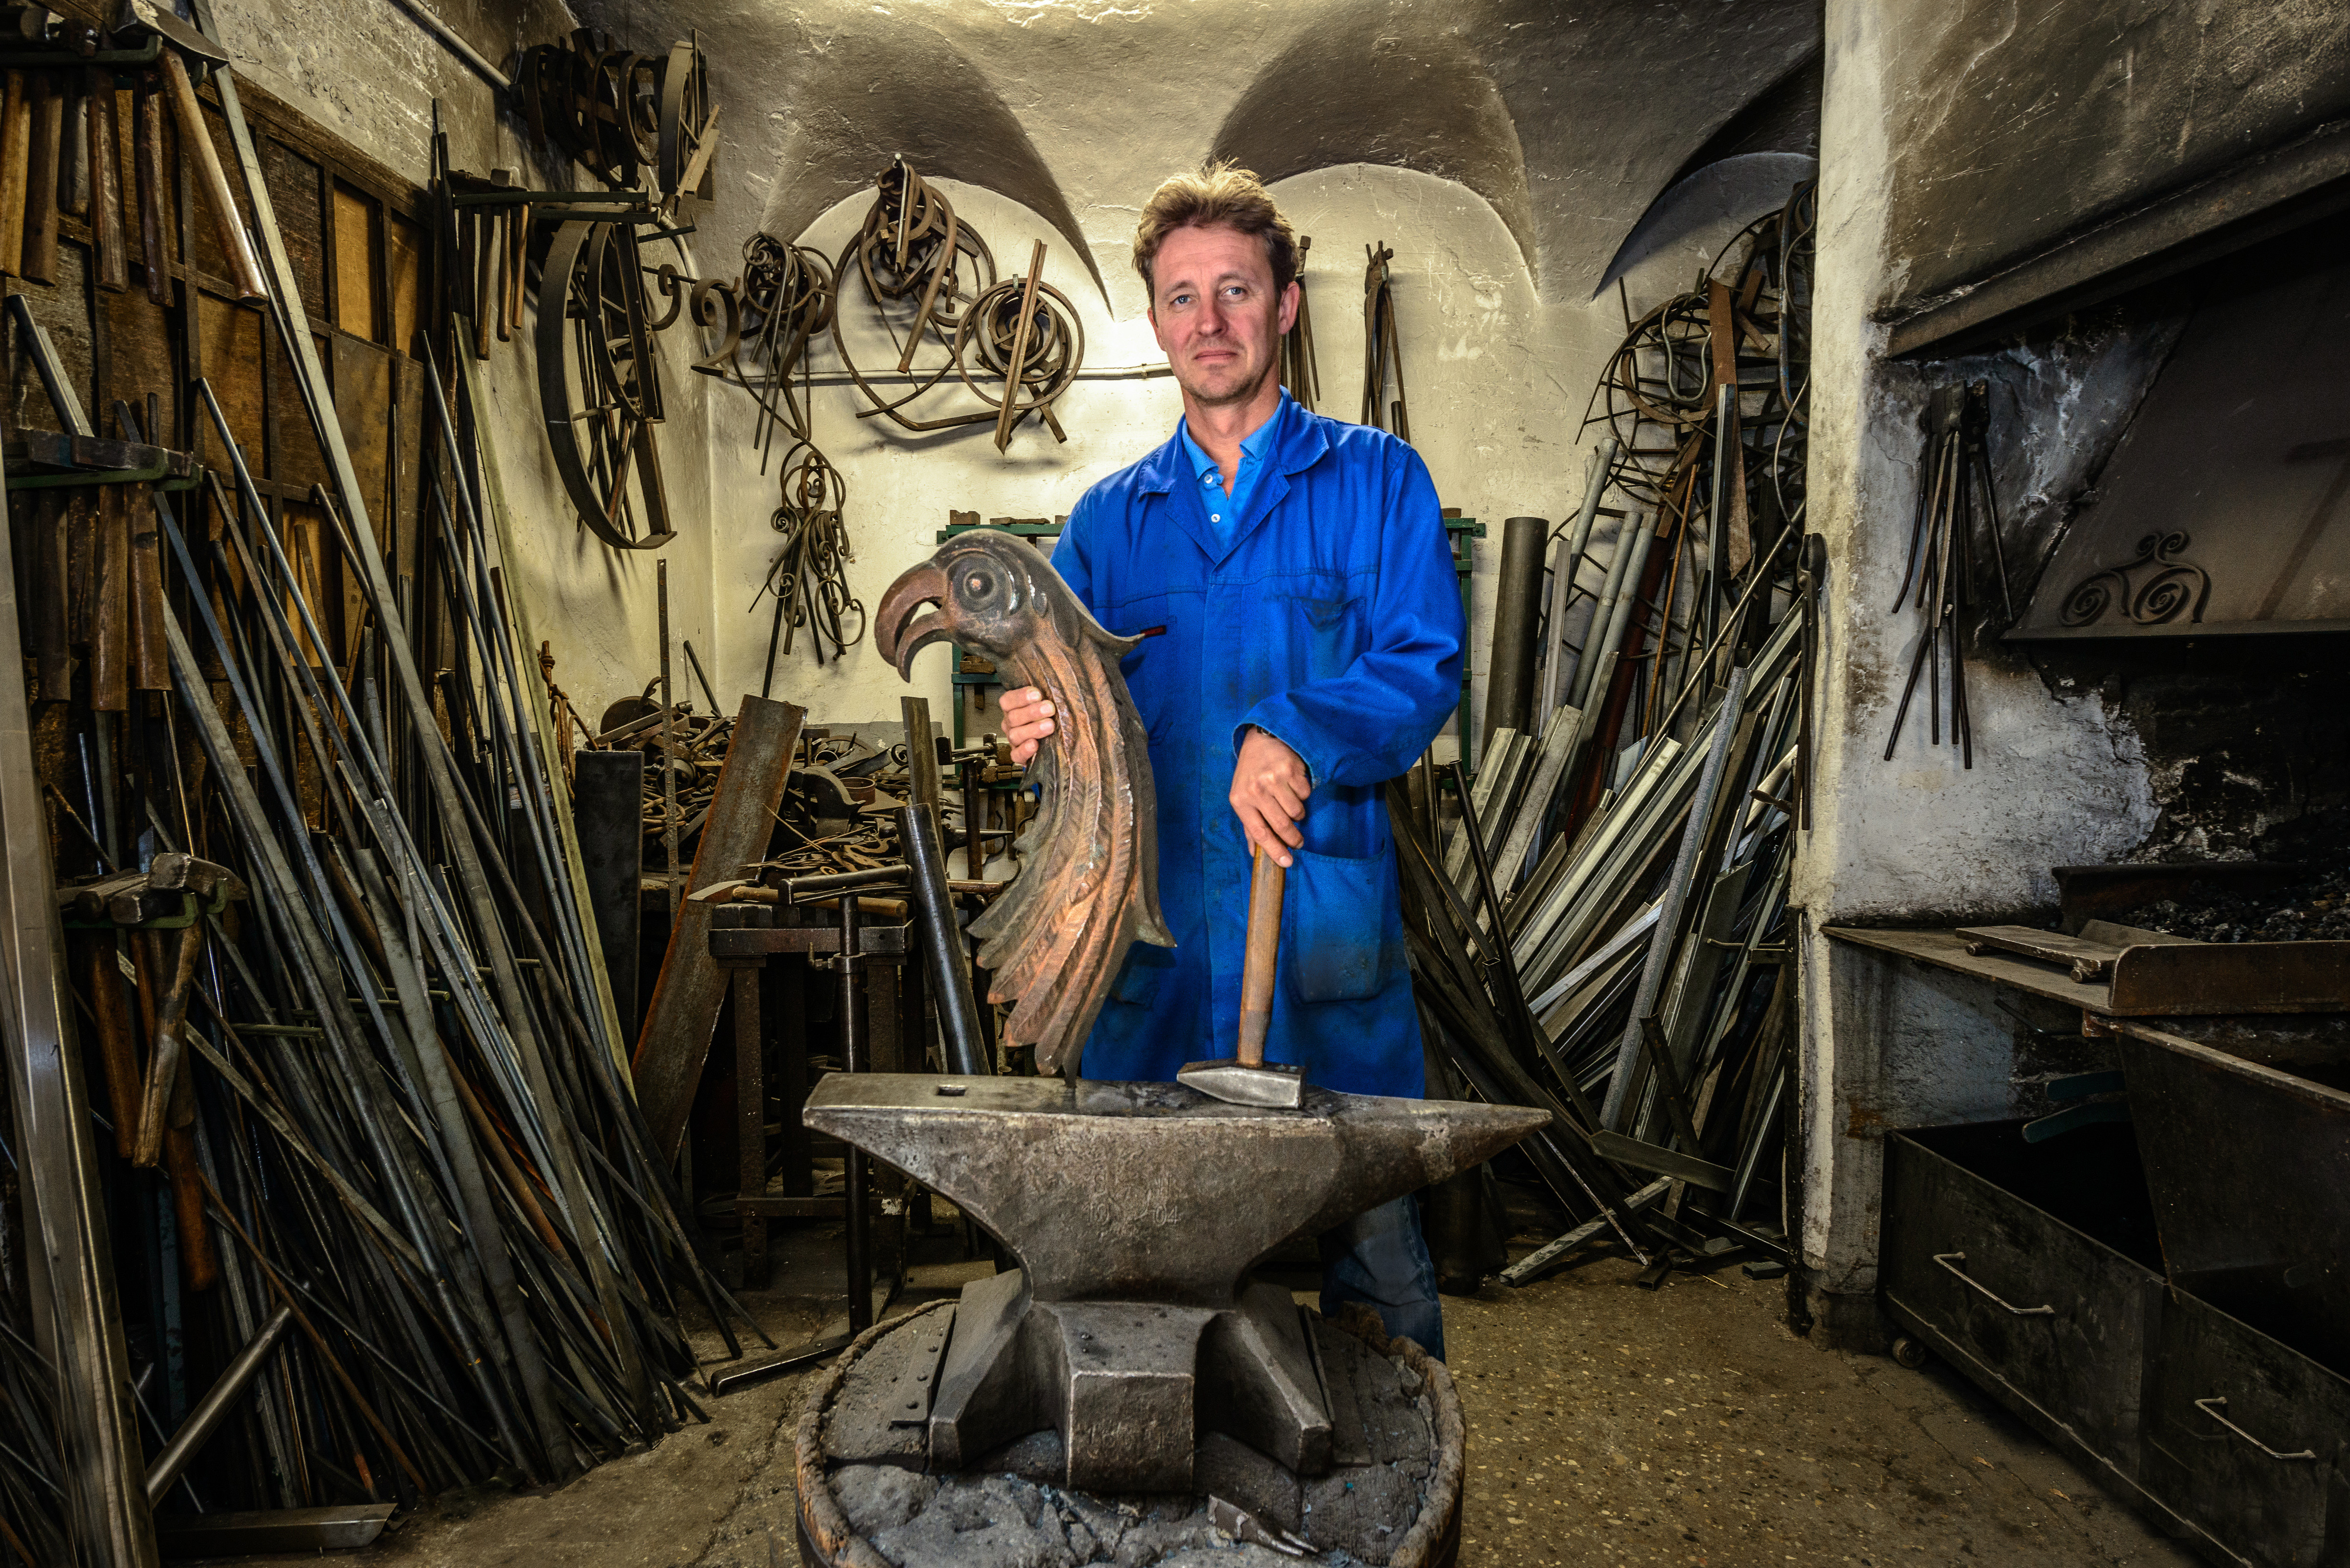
<point>2033,1270</point>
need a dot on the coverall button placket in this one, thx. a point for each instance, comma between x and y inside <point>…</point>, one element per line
<point>1339,510</point>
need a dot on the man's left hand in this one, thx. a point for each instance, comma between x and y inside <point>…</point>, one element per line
<point>1270,785</point>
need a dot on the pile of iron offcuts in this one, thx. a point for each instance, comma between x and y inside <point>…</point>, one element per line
<point>841,797</point>
<point>2314,908</point>
<point>1603,931</point>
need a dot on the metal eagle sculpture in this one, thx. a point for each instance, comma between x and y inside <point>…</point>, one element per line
<point>1090,890</point>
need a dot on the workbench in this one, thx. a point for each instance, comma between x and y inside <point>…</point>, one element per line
<point>2149,1277</point>
<point>745,940</point>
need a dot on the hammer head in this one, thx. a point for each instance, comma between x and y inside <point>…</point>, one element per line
<point>141,17</point>
<point>1268,1084</point>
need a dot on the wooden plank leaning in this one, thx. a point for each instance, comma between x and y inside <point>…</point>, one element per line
<point>683,1013</point>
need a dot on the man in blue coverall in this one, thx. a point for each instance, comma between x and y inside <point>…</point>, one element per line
<point>1312,652</point>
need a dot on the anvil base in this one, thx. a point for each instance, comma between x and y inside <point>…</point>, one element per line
<point>1130,1384</point>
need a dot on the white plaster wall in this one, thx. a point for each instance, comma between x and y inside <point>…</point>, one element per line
<point>1496,381</point>
<point>2056,780</point>
<point>1497,378</point>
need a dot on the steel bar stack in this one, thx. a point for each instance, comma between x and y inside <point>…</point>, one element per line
<point>367,1169</point>
<point>1602,929</point>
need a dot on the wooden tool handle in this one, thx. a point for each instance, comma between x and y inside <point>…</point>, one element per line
<point>1267,881</point>
<point>16,170</point>
<point>151,178</point>
<point>105,180</point>
<point>196,144</point>
<point>163,1070</point>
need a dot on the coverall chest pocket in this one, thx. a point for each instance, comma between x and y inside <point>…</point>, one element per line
<point>1323,624</point>
<point>1337,945</point>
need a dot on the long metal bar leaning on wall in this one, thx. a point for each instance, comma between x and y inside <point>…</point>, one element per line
<point>399,1175</point>
<point>1604,931</point>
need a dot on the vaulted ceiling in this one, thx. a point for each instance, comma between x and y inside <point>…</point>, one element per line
<point>1569,121</point>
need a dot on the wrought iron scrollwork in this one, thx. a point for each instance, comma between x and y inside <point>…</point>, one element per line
<point>2159,598</point>
<point>810,578</point>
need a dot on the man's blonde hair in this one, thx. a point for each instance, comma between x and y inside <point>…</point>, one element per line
<point>1217,196</point>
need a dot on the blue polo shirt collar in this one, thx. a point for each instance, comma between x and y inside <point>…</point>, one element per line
<point>1224,512</point>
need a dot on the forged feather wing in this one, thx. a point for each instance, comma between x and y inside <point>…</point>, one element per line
<point>1089,888</point>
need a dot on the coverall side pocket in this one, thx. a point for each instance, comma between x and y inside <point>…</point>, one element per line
<point>1338,911</point>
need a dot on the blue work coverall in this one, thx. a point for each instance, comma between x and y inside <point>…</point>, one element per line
<point>1332,621</point>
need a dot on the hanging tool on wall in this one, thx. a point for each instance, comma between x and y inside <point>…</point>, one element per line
<point>1382,347</point>
<point>1298,371</point>
<point>1953,481</point>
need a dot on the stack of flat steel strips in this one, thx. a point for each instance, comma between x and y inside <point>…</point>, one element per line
<point>1629,979</point>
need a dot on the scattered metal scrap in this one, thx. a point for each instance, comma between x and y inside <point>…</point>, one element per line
<point>1604,933</point>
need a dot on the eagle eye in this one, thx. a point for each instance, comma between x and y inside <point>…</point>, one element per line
<point>979,585</point>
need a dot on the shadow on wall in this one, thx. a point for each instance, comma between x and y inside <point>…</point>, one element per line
<point>909,92</point>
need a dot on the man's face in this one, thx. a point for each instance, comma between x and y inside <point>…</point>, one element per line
<point>1217,313</point>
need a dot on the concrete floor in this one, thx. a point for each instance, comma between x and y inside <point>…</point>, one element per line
<point>1608,1425</point>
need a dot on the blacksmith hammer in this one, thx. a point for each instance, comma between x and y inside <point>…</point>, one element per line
<point>1248,1079</point>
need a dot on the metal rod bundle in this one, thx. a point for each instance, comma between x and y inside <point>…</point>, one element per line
<point>1629,978</point>
<point>379,1180</point>
<point>1938,580</point>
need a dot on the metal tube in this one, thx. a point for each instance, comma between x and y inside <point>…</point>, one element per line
<point>852,1056</point>
<point>1627,600</point>
<point>1509,657</point>
<point>76,1316</point>
<point>1626,533</point>
<point>966,1049</point>
<point>668,744</point>
<point>975,807</point>
<point>1555,685</point>
<point>824,884</point>
<point>1669,916</point>
<point>1717,554</point>
<point>457,45</point>
<point>206,1417</point>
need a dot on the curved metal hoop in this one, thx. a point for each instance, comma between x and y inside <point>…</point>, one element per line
<point>599,383</point>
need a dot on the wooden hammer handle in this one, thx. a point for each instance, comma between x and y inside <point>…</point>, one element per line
<point>164,1068</point>
<point>1266,880</point>
<point>196,145</point>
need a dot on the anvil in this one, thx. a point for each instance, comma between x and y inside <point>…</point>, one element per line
<point>1137,1211</point>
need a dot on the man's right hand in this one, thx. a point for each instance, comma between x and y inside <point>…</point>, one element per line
<point>1027,720</point>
